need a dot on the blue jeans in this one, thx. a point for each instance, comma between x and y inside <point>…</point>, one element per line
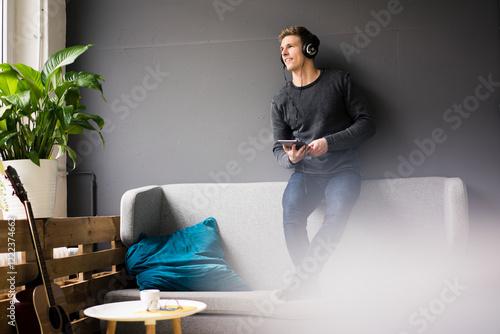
<point>302,196</point>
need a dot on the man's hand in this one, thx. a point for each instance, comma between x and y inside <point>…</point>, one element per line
<point>317,147</point>
<point>295,155</point>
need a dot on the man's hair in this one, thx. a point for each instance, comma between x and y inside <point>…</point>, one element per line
<point>302,32</point>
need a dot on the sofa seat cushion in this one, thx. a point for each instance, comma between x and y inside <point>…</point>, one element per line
<point>259,303</point>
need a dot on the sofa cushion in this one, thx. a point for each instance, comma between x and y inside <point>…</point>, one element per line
<point>190,259</point>
<point>258,303</point>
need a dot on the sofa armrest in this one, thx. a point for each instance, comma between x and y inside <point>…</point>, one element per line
<point>456,214</point>
<point>140,211</point>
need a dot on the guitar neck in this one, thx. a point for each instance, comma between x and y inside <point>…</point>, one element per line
<point>39,253</point>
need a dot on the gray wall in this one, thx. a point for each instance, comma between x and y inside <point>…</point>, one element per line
<point>189,85</point>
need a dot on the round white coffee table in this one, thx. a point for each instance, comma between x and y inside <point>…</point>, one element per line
<point>134,311</point>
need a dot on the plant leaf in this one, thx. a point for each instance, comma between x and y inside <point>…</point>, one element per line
<point>75,130</point>
<point>65,148</point>
<point>8,80</point>
<point>60,59</point>
<point>61,91</point>
<point>21,101</point>
<point>6,135</point>
<point>86,80</point>
<point>32,78</point>
<point>83,123</point>
<point>72,96</point>
<point>33,156</point>
<point>72,155</point>
<point>64,115</point>
<point>3,109</point>
<point>86,117</point>
<point>28,135</point>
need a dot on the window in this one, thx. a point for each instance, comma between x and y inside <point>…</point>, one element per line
<point>7,14</point>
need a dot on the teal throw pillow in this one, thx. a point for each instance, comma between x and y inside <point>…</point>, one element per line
<point>191,259</point>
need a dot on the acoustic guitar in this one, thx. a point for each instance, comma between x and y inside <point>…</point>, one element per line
<point>41,307</point>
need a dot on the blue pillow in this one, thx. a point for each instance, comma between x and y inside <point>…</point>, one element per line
<point>191,259</point>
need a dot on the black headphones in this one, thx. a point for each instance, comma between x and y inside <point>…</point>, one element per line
<point>309,48</point>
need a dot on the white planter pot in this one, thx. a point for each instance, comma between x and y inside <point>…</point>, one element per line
<point>40,184</point>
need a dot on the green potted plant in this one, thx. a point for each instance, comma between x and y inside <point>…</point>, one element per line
<point>41,109</point>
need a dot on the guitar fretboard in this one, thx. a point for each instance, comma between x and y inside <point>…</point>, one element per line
<point>39,253</point>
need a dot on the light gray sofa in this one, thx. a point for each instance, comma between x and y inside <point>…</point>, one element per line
<point>397,249</point>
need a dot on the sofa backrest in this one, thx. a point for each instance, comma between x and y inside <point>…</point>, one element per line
<point>249,219</point>
<point>391,215</point>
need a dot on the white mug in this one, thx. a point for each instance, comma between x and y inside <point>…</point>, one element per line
<point>150,298</point>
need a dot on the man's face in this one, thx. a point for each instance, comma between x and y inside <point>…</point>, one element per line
<point>291,52</point>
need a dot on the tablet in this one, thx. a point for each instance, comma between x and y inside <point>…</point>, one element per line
<point>289,143</point>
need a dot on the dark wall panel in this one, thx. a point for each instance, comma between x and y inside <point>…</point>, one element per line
<point>189,85</point>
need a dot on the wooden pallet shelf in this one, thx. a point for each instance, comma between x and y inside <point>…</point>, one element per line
<point>85,278</point>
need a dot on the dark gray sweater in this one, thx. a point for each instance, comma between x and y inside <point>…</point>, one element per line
<point>330,107</point>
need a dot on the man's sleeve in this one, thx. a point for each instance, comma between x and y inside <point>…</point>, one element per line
<point>363,126</point>
<point>281,130</point>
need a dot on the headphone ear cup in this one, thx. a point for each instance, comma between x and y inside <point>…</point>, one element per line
<point>310,47</point>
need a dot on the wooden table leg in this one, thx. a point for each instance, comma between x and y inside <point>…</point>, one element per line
<point>150,329</point>
<point>176,324</point>
<point>111,327</point>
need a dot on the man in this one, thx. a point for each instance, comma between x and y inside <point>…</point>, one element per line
<point>323,109</point>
